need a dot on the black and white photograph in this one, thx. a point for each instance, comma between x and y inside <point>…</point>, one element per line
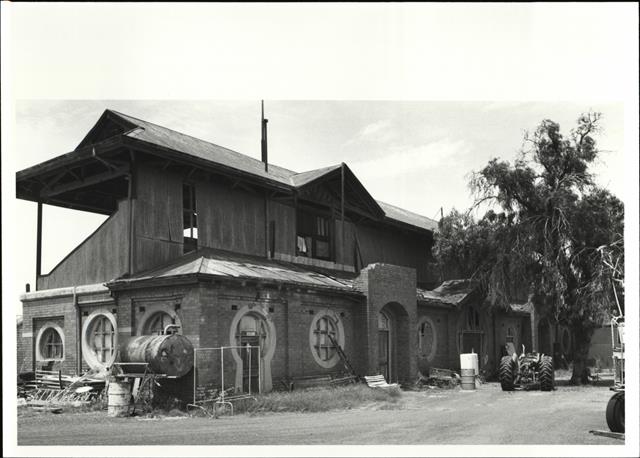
<point>320,230</point>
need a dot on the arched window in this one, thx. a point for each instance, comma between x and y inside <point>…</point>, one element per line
<point>325,333</point>
<point>100,336</point>
<point>427,338</point>
<point>383,322</point>
<point>157,323</point>
<point>251,330</point>
<point>50,344</point>
<point>324,347</point>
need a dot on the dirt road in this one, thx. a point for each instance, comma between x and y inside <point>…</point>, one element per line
<point>484,416</point>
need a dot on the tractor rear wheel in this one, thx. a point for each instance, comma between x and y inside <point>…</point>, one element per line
<point>615,413</point>
<point>507,373</point>
<point>546,374</point>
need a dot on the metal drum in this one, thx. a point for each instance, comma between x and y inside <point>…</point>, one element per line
<point>168,354</point>
<point>119,397</point>
<point>467,379</point>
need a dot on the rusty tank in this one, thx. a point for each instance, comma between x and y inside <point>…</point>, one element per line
<point>169,354</point>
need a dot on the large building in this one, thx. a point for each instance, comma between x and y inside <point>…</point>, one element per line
<point>237,251</point>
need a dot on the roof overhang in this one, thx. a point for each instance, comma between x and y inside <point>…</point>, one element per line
<point>92,178</point>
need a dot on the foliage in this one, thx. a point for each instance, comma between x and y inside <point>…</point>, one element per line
<point>556,234</point>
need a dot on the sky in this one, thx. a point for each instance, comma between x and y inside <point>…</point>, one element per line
<point>412,96</point>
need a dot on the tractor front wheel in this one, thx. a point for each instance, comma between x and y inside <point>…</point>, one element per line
<point>546,374</point>
<point>615,413</point>
<point>507,373</point>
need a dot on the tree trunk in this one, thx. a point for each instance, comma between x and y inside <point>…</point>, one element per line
<point>582,341</point>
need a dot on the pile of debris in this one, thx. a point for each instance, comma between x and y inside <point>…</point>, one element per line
<point>48,390</point>
<point>438,378</point>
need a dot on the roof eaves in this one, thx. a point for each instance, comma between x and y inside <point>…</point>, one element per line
<point>149,147</point>
<point>132,283</point>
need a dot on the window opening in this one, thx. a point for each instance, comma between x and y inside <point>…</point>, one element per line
<point>426,338</point>
<point>102,338</point>
<point>189,217</point>
<point>51,344</point>
<point>324,348</point>
<point>313,239</point>
<point>158,322</point>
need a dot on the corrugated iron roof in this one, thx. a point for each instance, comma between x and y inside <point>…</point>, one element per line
<point>405,216</point>
<point>526,308</point>
<point>225,264</point>
<point>301,179</point>
<point>450,292</point>
<point>192,146</point>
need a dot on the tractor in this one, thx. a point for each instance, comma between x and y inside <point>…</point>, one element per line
<point>615,407</point>
<point>527,371</point>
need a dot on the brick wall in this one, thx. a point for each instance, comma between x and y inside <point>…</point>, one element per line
<point>392,289</point>
<point>38,314</point>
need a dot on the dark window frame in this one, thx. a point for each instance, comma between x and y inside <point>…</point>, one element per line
<point>314,227</point>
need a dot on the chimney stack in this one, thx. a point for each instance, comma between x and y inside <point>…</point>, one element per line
<point>264,140</point>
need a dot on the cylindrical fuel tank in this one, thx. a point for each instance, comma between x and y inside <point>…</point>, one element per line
<point>170,354</point>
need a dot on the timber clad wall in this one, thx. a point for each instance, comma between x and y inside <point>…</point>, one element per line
<point>392,247</point>
<point>101,257</point>
<point>230,219</point>
<point>285,227</point>
<point>157,218</point>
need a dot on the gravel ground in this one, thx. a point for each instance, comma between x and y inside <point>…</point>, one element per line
<point>483,416</point>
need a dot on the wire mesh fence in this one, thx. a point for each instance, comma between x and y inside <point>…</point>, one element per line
<point>221,373</point>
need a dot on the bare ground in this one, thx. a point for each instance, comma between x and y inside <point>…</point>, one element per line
<point>483,416</point>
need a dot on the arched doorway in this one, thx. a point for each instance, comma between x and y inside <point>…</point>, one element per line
<point>252,327</point>
<point>384,344</point>
<point>393,338</point>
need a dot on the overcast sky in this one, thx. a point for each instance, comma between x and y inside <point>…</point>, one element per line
<point>416,155</point>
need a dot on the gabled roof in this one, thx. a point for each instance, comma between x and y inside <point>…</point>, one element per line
<point>209,262</point>
<point>304,178</point>
<point>331,177</point>
<point>201,149</point>
<point>117,130</point>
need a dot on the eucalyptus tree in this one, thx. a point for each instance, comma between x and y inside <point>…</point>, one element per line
<point>551,233</point>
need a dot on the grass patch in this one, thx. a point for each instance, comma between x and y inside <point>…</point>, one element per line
<point>323,399</point>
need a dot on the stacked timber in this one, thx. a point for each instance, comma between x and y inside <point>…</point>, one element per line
<point>169,354</point>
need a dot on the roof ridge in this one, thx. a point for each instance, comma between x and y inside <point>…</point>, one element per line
<point>196,138</point>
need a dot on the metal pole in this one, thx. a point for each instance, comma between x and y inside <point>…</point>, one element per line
<point>195,372</point>
<point>39,244</point>
<point>342,254</point>
<point>249,348</point>
<point>222,370</point>
<point>259,370</point>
